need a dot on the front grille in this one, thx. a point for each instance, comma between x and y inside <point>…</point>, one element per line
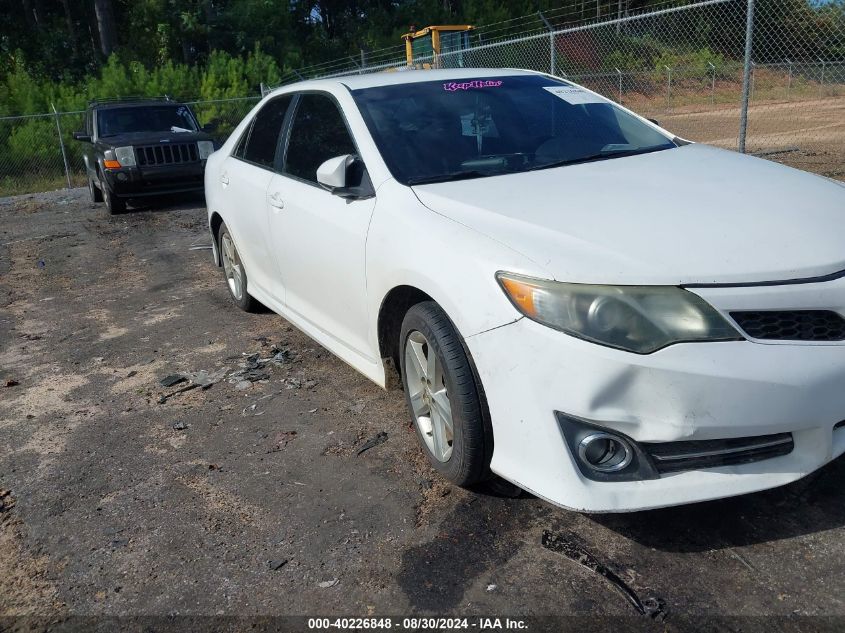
<point>669,457</point>
<point>166,154</point>
<point>792,325</point>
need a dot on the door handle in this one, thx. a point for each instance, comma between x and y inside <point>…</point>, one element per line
<point>276,202</point>
<point>224,180</point>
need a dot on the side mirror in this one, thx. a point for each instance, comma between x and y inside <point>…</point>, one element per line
<point>209,128</point>
<point>82,136</point>
<point>345,176</point>
<point>332,174</point>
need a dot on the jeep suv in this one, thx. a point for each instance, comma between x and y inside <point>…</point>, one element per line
<point>143,147</point>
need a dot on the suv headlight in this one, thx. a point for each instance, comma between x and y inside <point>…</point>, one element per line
<point>205,149</point>
<point>640,319</point>
<point>125,156</point>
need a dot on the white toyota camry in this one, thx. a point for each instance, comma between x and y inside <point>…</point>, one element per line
<point>574,299</point>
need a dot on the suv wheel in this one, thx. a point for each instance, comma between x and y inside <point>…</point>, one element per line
<point>233,270</point>
<point>442,395</point>
<point>113,203</point>
<point>94,190</point>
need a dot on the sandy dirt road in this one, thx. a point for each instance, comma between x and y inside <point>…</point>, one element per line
<point>253,501</point>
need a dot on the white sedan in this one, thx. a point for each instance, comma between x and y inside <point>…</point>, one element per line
<point>575,300</point>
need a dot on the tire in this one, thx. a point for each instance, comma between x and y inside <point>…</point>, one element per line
<point>234,272</point>
<point>113,203</point>
<point>465,460</point>
<point>94,191</point>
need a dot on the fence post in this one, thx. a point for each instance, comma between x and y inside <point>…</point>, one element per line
<point>552,52</point>
<point>668,88</point>
<point>712,82</point>
<point>363,59</point>
<point>62,145</point>
<point>356,64</point>
<point>619,17</point>
<point>746,76</point>
<point>821,84</point>
<point>788,79</point>
<point>619,73</point>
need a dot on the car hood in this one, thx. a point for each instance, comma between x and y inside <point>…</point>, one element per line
<point>154,138</point>
<point>694,214</point>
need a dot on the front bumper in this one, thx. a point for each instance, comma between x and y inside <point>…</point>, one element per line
<point>693,391</point>
<point>139,182</point>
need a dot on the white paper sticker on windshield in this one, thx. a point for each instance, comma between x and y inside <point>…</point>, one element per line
<point>573,94</point>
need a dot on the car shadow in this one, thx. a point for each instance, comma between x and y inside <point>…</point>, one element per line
<point>813,504</point>
<point>171,202</point>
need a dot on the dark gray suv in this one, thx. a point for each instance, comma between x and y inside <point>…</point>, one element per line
<point>143,147</point>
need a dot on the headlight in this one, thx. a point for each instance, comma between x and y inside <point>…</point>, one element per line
<point>639,319</point>
<point>205,148</point>
<point>125,156</point>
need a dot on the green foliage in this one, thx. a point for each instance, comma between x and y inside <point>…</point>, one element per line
<point>224,76</point>
<point>623,59</point>
<point>693,62</point>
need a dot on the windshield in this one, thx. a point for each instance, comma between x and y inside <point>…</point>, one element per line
<point>436,131</point>
<point>164,118</point>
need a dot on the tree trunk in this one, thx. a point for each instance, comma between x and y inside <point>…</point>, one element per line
<point>29,14</point>
<point>40,12</point>
<point>71,27</point>
<point>208,9</point>
<point>105,24</point>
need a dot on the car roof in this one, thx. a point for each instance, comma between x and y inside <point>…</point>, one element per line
<point>404,76</point>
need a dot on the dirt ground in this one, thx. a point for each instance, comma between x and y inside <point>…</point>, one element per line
<point>254,501</point>
<point>808,134</point>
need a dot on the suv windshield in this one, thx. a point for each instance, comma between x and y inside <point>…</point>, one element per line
<point>436,131</point>
<point>159,118</point>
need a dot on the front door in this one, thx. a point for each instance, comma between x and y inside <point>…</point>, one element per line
<point>319,238</point>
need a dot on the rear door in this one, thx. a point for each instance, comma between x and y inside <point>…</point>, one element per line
<point>319,238</point>
<point>244,178</point>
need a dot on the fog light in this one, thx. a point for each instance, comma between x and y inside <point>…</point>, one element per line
<point>121,177</point>
<point>605,453</point>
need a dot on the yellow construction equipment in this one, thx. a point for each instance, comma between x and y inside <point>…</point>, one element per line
<point>436,46</point>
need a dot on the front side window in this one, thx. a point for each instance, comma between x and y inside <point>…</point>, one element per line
<point>318,133</point>
<point>262,139</point>
<point>139,119</point>
<point>434,131</point>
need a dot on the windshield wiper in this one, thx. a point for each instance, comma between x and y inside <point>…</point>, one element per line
<point>601,156</point>
<point>457,175</point>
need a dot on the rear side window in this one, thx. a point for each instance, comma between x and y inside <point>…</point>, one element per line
<point>318,133</point>
<point>264,135</point>
<point>240,149</point>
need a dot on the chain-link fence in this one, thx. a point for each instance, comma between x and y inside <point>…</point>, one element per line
<point>38,152</point>
<point>684,66</point>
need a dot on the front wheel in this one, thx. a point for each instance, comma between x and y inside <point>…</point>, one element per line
<point>442,395</point>
<point>94,191</point>
<point>233,270</point>
<point>113,203</point>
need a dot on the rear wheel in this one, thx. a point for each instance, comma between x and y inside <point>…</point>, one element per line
<point>233,270</point>
<point>442,395</point>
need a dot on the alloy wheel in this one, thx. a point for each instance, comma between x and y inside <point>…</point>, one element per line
<point>232,266</point>
<point>429,397</point>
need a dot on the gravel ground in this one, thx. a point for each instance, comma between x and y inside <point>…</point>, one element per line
<point>253,501</point>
